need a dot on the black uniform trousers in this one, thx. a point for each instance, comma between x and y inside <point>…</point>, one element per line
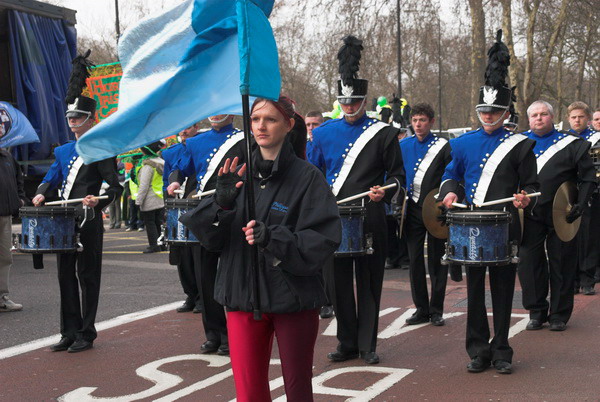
<point>183,258</point>
<point>81,270</point>
<point>397,246</point>
<point>502,287</point>
<point>589,244</point>
<point>213,314</point>
<point>415,233</point>
<point>536,272</point>
<point>357,326</point>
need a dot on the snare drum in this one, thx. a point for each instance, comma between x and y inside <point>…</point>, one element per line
<point>478,237</point>
<point>47,230</point>
<point>353,242</point>
<point>175,231</point>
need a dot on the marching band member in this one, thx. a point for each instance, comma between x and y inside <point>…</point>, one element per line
<point>560,157</point>
<point>357,153</point>
<point>182,255</point>
<point>588,244</point>
<point>297,228</point>
<point>80,270</point>
<point>488,164</point>
<point>425,157</point>
<point>204,154</point>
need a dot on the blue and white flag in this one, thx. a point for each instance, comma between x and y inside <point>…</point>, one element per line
<point>184,65</point>
<point>15,129</point>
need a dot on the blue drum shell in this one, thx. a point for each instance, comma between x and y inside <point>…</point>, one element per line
<point>353,244</point>
<point>479,238</point>
<point>47,230</point>
<point>175,231</point>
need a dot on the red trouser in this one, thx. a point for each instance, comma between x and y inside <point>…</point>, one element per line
<point>250,344</point>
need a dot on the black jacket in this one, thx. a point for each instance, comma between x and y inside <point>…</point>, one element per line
<point>300,211</point>
<point>11,185</point>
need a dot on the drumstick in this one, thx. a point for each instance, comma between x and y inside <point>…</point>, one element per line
<point>75,200</point>
<point>361,195</point>
<point>459,205</point>
<point>179,191</point>
<point>508,199</point>
<point>209,192</point>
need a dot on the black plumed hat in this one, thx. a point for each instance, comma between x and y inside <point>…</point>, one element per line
<point>350,87</point>
<point>495,94</point>
<point>78,104</point>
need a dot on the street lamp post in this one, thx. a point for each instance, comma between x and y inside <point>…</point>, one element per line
<point>399,49</point>
<point>118,29</point>
<point>439,73</point>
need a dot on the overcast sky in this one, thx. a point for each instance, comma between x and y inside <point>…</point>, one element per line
<point>97,17</point>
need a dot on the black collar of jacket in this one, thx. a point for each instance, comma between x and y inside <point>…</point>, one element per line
<point>282,162</point>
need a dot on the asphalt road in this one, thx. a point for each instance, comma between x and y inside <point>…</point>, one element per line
<point>131,281</point>
<point>147,351</point>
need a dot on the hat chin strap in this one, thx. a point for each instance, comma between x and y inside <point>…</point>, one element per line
<point>79,125</point>
<point>220,120</point>
<point>490,124</point>
<point>358,111</point>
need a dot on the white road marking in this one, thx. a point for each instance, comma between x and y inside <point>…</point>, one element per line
<point>113,322</point>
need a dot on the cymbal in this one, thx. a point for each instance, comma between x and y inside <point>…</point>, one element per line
<point>192,194</point>
<point>565,197</point>
<point>430,213</point>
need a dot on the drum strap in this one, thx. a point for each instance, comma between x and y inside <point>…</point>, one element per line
<point>73,170</point>
<point>553,150</point>
<point>351,156</point>
<point>492,164</point>
<point>594,138</point>
<point>214,163</point>
<point>424,166</point>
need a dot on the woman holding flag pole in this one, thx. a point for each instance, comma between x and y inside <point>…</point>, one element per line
<point>296,228</point>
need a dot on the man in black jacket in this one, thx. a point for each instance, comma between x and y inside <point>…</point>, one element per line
<point>12,197</point>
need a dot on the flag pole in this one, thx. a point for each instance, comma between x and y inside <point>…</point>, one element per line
<point>250,202</point>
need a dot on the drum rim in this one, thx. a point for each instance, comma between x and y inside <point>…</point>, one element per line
<point>46,210</point>
<point>352,209</point>
<point>175,202</point>
<point>479,263</point>
<point>472,217</point>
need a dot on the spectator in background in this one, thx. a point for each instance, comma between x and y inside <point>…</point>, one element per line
<point>115,207</point>
<point>150,193</point>
<point>12,197</point>
<point>135,221</point>
<point>596,120</point>
<point>313,120</point>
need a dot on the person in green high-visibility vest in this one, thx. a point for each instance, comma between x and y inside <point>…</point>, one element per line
<point>149,196</point>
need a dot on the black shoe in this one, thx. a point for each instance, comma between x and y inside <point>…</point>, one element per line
<point>369,357</point>
<point>503,367</point>
<point>417,319</point>
<point>80,345</point>
<point>557,326</point>
<point>339,356</point>
<point>62,345</point>
<point>197,310</point>
<point>209,347</point>
<point>534,325</point>
<point>185,308</point>
<point>478,364</point>
<point>437,320</point>
<point>151,249</point>
<point>223,350</point>
<point>389,264</point>
<point>326,311</point>
<point>588,290</point>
